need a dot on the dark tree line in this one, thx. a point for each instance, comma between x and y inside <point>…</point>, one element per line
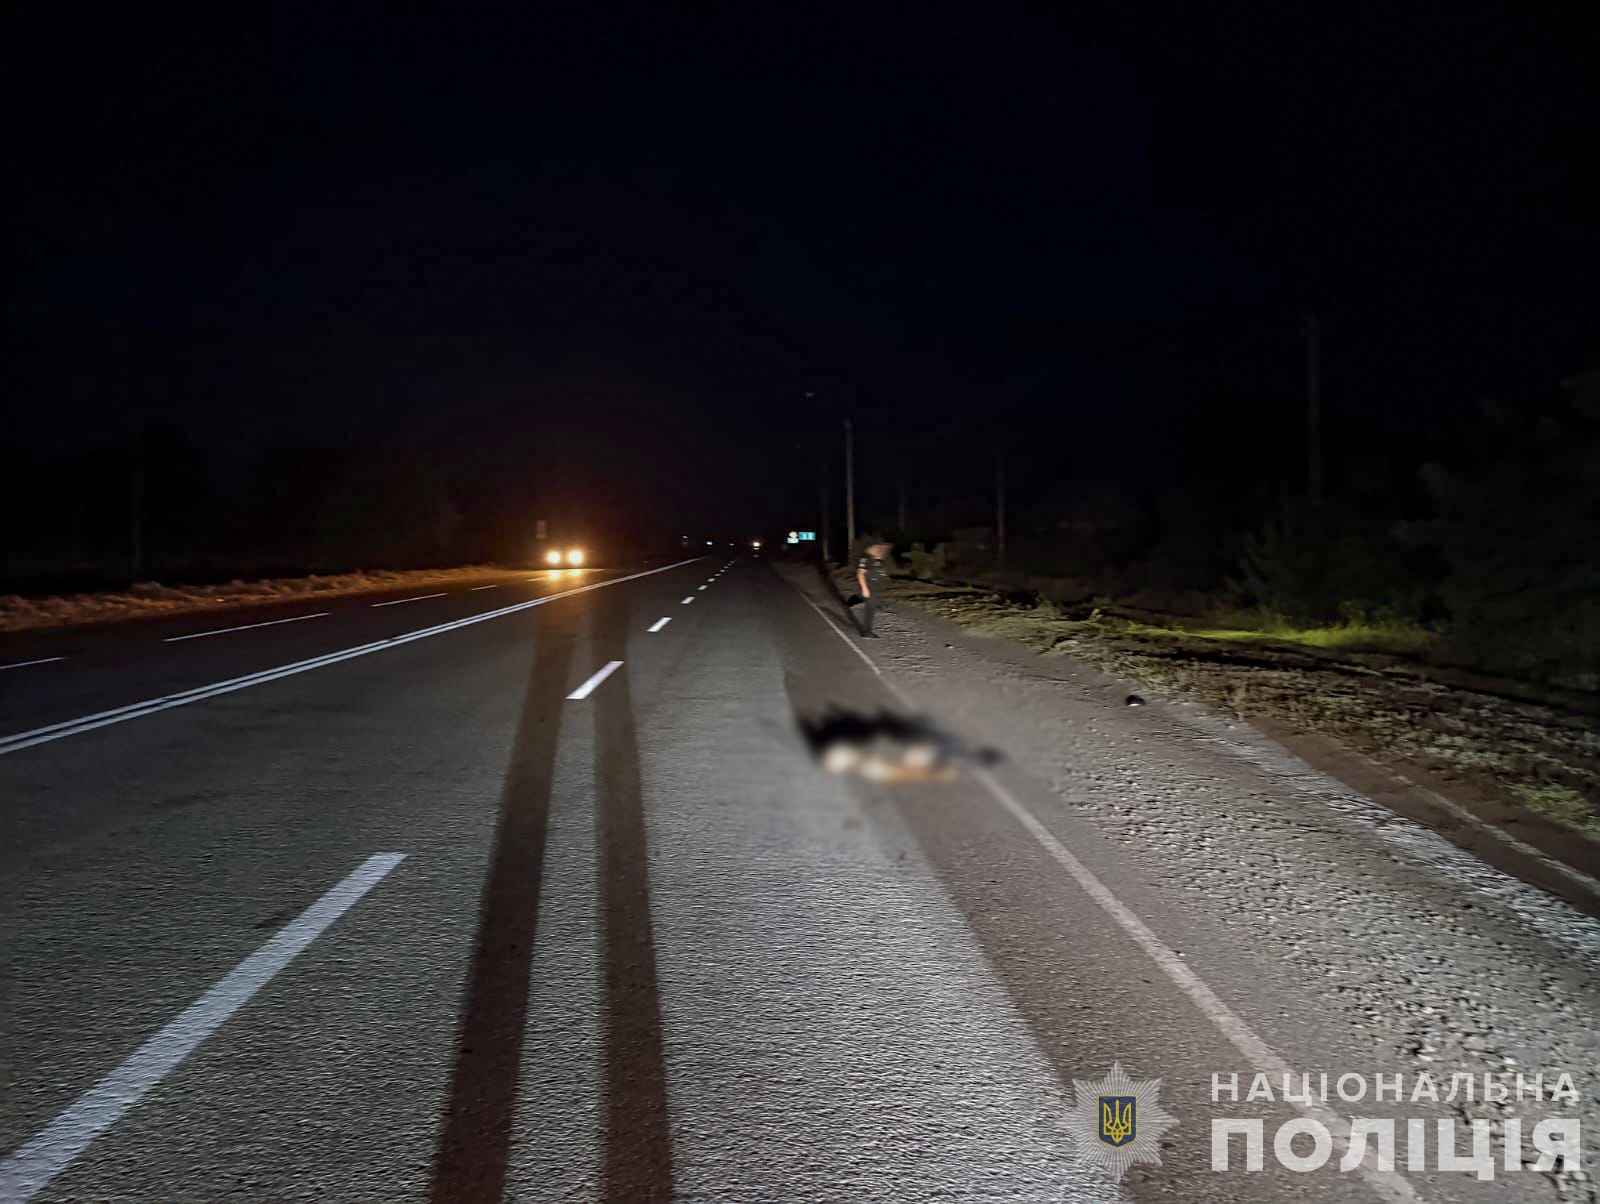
<point>1487,529</point>
<point>161,509</point>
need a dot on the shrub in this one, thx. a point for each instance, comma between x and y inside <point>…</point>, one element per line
<point>1326,565</point>
<point>1519,528</point>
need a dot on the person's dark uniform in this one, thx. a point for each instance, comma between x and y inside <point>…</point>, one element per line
<point>872,566</point>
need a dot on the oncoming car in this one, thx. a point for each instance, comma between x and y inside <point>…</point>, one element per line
<point>565,557</point>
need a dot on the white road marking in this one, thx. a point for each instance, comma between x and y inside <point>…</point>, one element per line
<point>399,601</point>
<point>702,587</point>
<point>200,635</point>
<point>72,727</point>
<point>1389,1186</point>
<point>688,600</point>
<point>48,660</point>
<point>659,624</point>
<point>476,588</point>
<point>589,687</point>
<point>38,1161</point>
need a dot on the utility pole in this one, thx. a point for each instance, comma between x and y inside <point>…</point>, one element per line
<point>850,482</point>
<point>1000,505</point>
<point>822,503</point>
<point>1311,327</point>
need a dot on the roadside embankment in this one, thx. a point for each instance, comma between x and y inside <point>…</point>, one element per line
<point>1500,744</point>
<point>19,612</point>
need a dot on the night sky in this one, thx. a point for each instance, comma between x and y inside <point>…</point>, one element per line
<point>638,239</point>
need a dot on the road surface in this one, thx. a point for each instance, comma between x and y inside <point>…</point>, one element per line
<point>534,893</point>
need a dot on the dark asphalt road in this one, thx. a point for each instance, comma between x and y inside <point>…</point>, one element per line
<point>481,940</point>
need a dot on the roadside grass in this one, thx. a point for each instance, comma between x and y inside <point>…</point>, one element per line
<point>1365,684</point>
<point>1035,625</point>
<point>1395,639</point>
<point>23,612</point>
<point>1560,803</point>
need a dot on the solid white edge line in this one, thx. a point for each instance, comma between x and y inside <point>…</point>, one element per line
<point>71,727</point>
<point>1390,1186</point>
<point>55,1148</point>
<point>659,624</point>
<point>589,687</point>
<point>48,660</point>
<point>200,635</point>
<point>399,601</point>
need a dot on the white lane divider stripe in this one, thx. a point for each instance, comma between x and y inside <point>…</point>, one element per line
<point>659,624</point>
<point>200,635</point>
<point>476,588</point>
<point>48,660</point>
<point>687,600</point>
<point>71,727</point>
<point>1390,1186</point>
<point>402,601</point>
<point>38,1161</point>
<point>702,587</point>
<point>589,687</point>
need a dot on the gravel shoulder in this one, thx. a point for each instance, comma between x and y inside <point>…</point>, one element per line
<point>1524,761</point>
<point>1440,960</point>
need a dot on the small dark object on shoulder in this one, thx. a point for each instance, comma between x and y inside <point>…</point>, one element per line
<point>1135,701</point>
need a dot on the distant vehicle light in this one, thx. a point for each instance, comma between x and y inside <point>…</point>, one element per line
<point>552,557</point>
<point>756,544</point>
<point>575,556</point>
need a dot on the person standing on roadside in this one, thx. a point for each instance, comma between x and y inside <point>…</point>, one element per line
<point>870,574</point>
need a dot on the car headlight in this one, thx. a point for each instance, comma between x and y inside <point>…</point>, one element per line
<point>575,556</point>
<point>552,557</point>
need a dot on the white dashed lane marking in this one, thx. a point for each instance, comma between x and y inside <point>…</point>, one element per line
<point>659,624</point>
<point>200,635</point>
<point>150,706</point>
<point>589,687</point>
<point>27,1171</point>
<point>418,598</point>
<point>24,664</point>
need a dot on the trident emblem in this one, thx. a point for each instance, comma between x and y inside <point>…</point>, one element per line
<point>1118,1123</point>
